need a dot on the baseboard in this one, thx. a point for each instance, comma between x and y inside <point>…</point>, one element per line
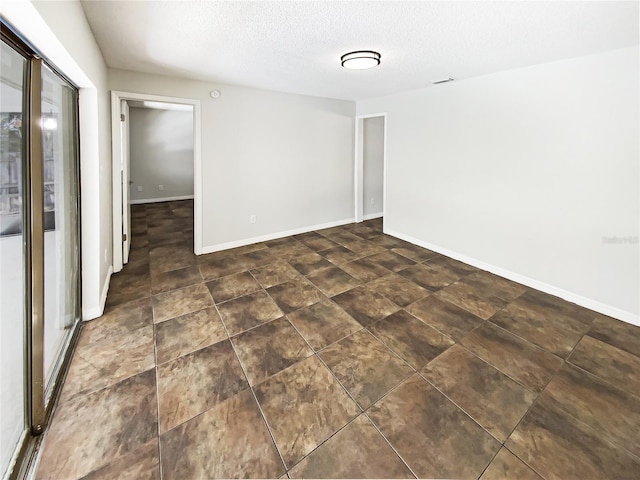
<point>589,303</point>
<point>163,199</point>
<point>95,312</point>
<point>273,236</point>
<point>371,216</point>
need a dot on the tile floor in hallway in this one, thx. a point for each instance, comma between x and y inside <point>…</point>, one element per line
<point>341,353</point>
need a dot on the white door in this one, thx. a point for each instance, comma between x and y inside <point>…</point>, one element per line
<point>126,206</point>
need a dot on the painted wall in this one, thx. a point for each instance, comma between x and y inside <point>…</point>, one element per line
<point>161,153</point>
<point>373,166</point>
<point>60,31</point>
<point>533,172</point>
<point>288,159</point>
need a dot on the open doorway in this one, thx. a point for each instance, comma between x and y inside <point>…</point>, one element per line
<point>370,162</point>
<point>146,170</point>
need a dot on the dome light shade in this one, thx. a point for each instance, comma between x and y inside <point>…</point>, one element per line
<point>360,60</point>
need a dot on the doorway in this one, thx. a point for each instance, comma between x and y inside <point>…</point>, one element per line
<point>122,194</point>
<point>370,166</point>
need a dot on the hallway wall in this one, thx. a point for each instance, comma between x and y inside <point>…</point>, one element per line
<point>287,159</point>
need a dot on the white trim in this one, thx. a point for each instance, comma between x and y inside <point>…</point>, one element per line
<point>371,216</point>
<point>273,236</point>
<point>95,312</point>
<point>162,199</point>
<point>116,98</point>
<point>358,164</point>
<point>594,305</point>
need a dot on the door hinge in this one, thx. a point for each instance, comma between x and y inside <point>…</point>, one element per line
<point>122,117</point>
<point>124,237</point>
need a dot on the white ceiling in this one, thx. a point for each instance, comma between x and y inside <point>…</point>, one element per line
<point>295,46</point>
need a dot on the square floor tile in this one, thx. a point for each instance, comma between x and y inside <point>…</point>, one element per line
<point>414,341</point>
<point>106,424</point>
<point>339,255</point>
<point>365,305</point>
<point>332,281</point>
<point>445,317</point>
<point>391,261</point>
<point>230,440</point>
<point>365,367</point>
<point>121,319</point>
<point>431,434</point>
<point>232,286</point>
<point>182,277</point>
<point>106,362</point>
<point>551,330</point>
<point>431,276</point>
<point>275,274</point>
<point>558,446</point>
<point>612,364</point>
<point>180,302</point>
<point>308,264</point>
<point>141,463</point>
<point>488,396</point>
<point>221,267</point>
<point>304,405</point>
<point>608,410</point>
<point>194,383</point>
<point>323,323</point>
<point>471,298</point>
<point>270,348</point>
<point>292,295</point>
<point>258,258</point>
<point>249,311</point>
<point>357,451</point>
<point>364,269</point>
<point>398,289</point>
<point>188,333</point>
<point>522,361</point>
<point>318,243</point>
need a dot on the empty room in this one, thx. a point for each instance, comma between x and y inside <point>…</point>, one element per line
<point>319,239</point>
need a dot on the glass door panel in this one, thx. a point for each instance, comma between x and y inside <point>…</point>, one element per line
<point>60,193</point>
<point>12,255</point>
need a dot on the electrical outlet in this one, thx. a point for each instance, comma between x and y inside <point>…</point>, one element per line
<point>373,200</point>
<point>139,188</point>
<point>252,219</point>
<point>160,187</point>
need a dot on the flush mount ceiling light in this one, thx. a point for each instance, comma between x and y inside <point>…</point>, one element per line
<point>360,60</point>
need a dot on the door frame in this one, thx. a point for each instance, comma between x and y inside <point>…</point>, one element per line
<point>358,163</point>
<point>116,154</point>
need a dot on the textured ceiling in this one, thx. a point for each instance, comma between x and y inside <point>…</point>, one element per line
<point>296,46</point>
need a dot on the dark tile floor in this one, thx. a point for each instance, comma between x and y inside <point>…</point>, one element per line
<point>334,354</point>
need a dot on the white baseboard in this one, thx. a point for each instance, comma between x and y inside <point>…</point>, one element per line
<point>97,311</point>
<point>163,199</point>
<point>589,303</point>
<point>273,236</point>
<point>371,216</point>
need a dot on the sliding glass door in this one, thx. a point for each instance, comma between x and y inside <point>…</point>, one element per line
<point>39,242</point>
<point>13,315</point>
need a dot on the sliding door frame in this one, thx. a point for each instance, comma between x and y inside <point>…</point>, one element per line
<point>38,406</point>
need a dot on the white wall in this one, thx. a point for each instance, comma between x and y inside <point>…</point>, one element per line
<point>60,31</point>
<point>373,166</point>
<point>525,171</point>
<point>288,159</point>
<point>161,144</point>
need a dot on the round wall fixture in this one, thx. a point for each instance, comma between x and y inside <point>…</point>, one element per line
<point>215,93</point>
<point>360,60</point>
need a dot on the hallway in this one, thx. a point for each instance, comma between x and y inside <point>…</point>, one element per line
<point>341,353</point>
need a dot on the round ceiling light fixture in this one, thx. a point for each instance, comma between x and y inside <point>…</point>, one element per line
<point>360,60</point>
